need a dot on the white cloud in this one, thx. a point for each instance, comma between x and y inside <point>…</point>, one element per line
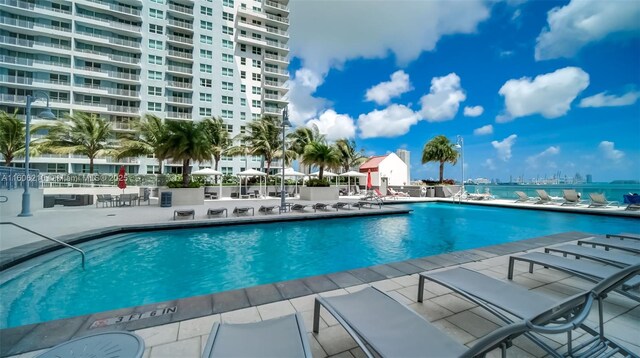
<point>383,92</point>
<point>392,121</point>
<point>608,150</point>
<point>334,126</point>
<point>504,147</point>
<point>607,100</point>
<point>484,130</point>
<point>302,104</point>
<point>549,94</point>
<point>473,111</point>
<point>489,164</point>
<point>581,22</point>
<point>534,160</point>
<point>443,100</point>
<point>349,36</point>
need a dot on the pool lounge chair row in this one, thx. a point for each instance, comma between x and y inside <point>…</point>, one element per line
<point>384,327</point>
<point>570,197</point>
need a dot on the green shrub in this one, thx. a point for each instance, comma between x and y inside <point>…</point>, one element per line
<point>178,184</point>
<point>317,183</point>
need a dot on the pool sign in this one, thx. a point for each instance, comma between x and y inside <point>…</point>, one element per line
<point>133,317</point>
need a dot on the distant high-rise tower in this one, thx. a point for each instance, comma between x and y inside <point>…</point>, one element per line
<point>405,155</point>
<point>589,179</point>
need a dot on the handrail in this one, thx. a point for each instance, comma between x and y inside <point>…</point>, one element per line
<point>48,238</point>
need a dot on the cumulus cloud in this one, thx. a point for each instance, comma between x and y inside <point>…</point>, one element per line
<point>607,100</point>
<point>608,150</point>
<point>484,130</point>
<point>549,94</point>
<point>571,27</point>
<point>302,104</point>
<point>503,148</point>
<point>443,100</point>
<point>383,92</point>
<point>392,121</point>
<point>489,164</point>
<point>474,111</point>
<point>534,160</point>
<point>334,126</point>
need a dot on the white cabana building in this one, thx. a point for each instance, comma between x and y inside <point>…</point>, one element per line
<point>389,168</point>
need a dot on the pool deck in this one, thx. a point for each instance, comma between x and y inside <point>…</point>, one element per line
<point>185,332</point>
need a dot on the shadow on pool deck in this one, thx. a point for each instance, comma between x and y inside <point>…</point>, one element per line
<point>43,335</point>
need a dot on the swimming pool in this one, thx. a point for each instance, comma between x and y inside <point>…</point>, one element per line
<point>141,268</point>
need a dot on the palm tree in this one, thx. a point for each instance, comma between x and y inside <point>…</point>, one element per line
<point>149,139</point>
<point>186,141</point>
<point>12,136</point>
<point>82,133</point>
<point>321,154</point>
<point>440,149</point>
<point>218,136</point>
<point>349,157</point>
<point>302,136</point>
<point>263,138</point>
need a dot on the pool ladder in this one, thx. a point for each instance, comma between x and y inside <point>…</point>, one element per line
<point>48,238</point>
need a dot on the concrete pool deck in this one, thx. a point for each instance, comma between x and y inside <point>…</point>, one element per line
<point>177,335</point>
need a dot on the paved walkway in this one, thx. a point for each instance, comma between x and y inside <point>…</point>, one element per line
<point>449,312</point>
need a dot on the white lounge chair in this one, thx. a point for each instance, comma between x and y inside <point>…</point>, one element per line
<point>599,201</point>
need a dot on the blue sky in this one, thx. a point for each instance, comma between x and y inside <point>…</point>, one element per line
<point>534,87</point>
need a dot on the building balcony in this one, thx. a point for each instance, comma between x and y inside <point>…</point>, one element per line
<point>179,115</point>
<point>109,24</point>
<point>273,5</point>
<point>123,92</point>
<point>181,9</point>
<point>179,100</point>
<point>119,10</point>
<point>179,69</point>
<point>180,24</point>
<point>17,99</point>
<point>16,80</point>
<point>277,45</point>
<point>277,19</point>
<point>12,60</point>
<point>89,89</point>
<point>181,55</point>
<point>180,39</point>
<point>275,98</point>
<point>179,84</point>
<point>275,58</point>
<point>276,85</point>
<point>123,126</point>
<point>277,72</point>
<point>122,109</point>
<point>272,111</point>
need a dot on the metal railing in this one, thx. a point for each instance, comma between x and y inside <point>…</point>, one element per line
<point>13,178</point>
<point>48,238</point>
<point>276,58</point>
<point>276,5</point>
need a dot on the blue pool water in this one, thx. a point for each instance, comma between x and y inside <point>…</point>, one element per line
<point>141,268</point>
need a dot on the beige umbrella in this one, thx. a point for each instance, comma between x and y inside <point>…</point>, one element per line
<point>352,174</point>
<point>210,172</point>
<point>251,173</point>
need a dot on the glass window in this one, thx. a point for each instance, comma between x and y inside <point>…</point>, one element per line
<point>206,68</point>
<point>153,106</point>
<point>228,3</point>
<point>205,112</point>
<point>227,44</point>
<point>226,114</point>
<point>155,29</point>
<point>155,13</point>
<point>227,71</point>
<point>204,39</point>
<point>227,58</point>
<point>205,82</point>
<point>154,91</point>
<point>206,54</point>
<point>256,77</point>
<point>206,25</point>
<point>206,11</point>
<point>243,88</point>
<point>228,86</point>
<point>256,90</point>
<point>205,97</point>
<point>155,75</point>
<point>156,44</point>
<point>256,104</point>
<point>155,60</point>
<point>227,30</point>
<point>227,100</point>
<point>227,16</point>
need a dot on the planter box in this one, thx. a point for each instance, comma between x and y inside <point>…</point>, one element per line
<point>318,193</point>
<point>185,196</point>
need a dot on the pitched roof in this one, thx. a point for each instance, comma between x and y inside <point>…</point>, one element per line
<point>372,163</point>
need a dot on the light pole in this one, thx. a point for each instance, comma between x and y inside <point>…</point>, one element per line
<point>460,145</point>
<point>285,123</point>
<point>45,114</point>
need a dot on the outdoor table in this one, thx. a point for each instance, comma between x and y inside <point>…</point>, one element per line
<point>105,344</point>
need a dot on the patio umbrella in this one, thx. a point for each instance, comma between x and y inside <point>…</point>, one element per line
<point>326,173</point>
<point>122,179</point>
<point>369,185</point>
<point>289,172</point>
<point>352,174</point>
<point>251,173</point>
<point>210,172</point>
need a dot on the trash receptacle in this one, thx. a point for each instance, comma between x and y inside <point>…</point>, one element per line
<point>165,199</point>
<point>431,192</point>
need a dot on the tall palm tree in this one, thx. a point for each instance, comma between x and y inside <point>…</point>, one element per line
<point>149,139</point>
<point>218,136</point>
<point>82,133</point>
<point>321,154</point>
<point>349,156</point>
<point>440,149</point>
<point>302,136</point>
<point>186,141</point>
<point>263,137</point>
<point>12,136</point>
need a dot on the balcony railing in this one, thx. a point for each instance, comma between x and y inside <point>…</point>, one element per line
<point>16,41</point>
<point>124,109</point>
<point>276,58</point>
<point>179,100</point>
<point>126,59</point>
<point>123,92</point>
<point>182,39</point>
<point>124,75</point>
<point>277,18</point>
<point>23,99</point>
<point>276,5</point>
<point>273,97</point>
<point>19,4</point>
<point>179,69</point>
<point>179,115</point>
<point>183,24</point>
<point>182,9</point>
<point>16,79</point>
<point>277,71</point>
<point>16,60</point>
<point>181,54</point>
<point>272,110</point>
<point>122,125</point>
<point>277,44</point>
<point>274,83</point>
<point>118,8</point>
<point>111,23</point>
<point>277,31</point>
<point>179,84</point>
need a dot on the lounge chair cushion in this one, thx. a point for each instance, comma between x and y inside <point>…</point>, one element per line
<point>278,337</point>
<point>392,329</point>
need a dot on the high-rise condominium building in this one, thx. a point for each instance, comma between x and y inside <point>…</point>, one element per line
<point>405,155</point>
<point>121,59</point>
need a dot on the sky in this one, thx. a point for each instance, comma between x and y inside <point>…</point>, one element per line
<point>534,88</point>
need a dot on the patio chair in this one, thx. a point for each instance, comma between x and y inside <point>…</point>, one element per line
<point>267,209</point>
<point>103,344</point>
<point>100,199</point>
<point>523,198</point>
<point>599,201</point>
<point>585,269</point>
<point>618,259</point>
<point>624,235</point>
<point>571,197</point>
<point>398,193</point>
<point>544,198</point>
<point>319,206</point>
<point>633,207</point>
<point>298,207</point>
<point>211,212</point>
<point>243,210</point>
<point>278,337</point>
<point>377,194</point>
<point>340,205</point>
<point>182,214</point>
<point>612,243</point>
<point>384,327</point>
<point>506,300</point>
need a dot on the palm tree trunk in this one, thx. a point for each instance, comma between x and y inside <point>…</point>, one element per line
<point>185,173</point>
<point>321,172</point>
<point>160,165</point>
<point>90,165</point>
<point>7,160</point>
<point>216,158</point>
<point>441,171</point>
<point>268,168</point>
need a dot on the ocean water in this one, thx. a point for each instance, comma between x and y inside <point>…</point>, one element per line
<point>148,267</point>
<point>611,191</point>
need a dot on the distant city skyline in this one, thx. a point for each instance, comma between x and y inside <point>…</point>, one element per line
<point>530,86</point>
